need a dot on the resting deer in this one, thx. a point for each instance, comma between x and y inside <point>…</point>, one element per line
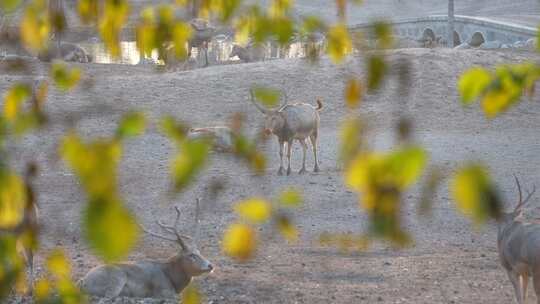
<point>222,137</point>
<point>519,249</point>
<point>289,122</point>
<point>149,279</point>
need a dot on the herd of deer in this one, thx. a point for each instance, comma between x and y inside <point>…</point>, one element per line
<point>518,240</point>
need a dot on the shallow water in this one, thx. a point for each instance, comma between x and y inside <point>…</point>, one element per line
<point>218,52</point>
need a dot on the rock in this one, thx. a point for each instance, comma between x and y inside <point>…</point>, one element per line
<point>491,45</point>
<point>463,46</point>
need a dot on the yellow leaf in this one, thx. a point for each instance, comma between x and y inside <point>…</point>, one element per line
<point>255,210</point>
<point>88,10</point>
<point>181,34</point>
<point>473,83</point>
<point>287,229</point>
<point>239,241</point>
<point>58,265</point>
<point>474,193</point>
<point>114,17</point>
<point>339,42</point>
<point>350,139</point>
<point>12,200</point>
<point>191,295</point>
<point>13,99</point>
<point>35,26</point>
<point>291,198</point>
<point>353,93</point>
<point>42,289</point>
<point>278,8</point>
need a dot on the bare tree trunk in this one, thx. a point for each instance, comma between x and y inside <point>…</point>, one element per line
<point>451,23</point>
<point>195,6</point>
<point>56,11</point>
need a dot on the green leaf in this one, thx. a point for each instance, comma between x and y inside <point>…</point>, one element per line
<point>376,71</point>
<point>383,33</point>
<point>35,26</point>
<point>110,229</point>
<point>291,198</point>
<point>187,164</point>
<point>473,83</point>
<point>63,77</point>
<point>8,6</point>
<point>269,97</point>
<point>132,124</point>
<point>173,129</point>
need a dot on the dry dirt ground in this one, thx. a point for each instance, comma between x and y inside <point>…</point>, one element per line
<point>451,261</point>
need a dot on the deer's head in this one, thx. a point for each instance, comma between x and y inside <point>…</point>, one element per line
<point>188,260</point>
<point>274,120</point>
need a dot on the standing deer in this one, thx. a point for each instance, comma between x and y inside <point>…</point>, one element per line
<point>519,249</point>
<point>149,279</point>
<point>289,122</point>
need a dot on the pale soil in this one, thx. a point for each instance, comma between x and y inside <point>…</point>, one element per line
<point>451,262</point>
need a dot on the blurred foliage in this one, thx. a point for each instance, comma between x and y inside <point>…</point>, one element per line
<point>381,179</point>
<point>159,30</point>
<point>35,26</point>
<point>240,238</point>
<point>57,287</point>
<point>115,14</point>
<point>95,163</point>
<point>269,97</point>
<point>63,77</point>
<point>353,93</point>
<point>339,42</point>
<point>499,89</point>
<point>475,194</point>
<point>191,295</point>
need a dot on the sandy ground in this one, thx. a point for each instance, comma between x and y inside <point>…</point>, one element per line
<point>451,262</point>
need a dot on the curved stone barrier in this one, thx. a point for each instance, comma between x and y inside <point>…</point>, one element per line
<point>472,30</point>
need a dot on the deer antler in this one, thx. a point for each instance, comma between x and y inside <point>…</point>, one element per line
<point>522,202</point>
<point>170,229</point>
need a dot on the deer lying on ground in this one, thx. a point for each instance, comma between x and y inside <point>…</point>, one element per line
<point>67,52</point>
<point>289,122</point>
<point>519,249</point>
<point>149,279</point>
<point>249,53</point>
<point>221,137</point>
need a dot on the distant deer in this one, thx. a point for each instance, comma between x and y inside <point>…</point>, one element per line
<point>289,122</point>
<point>149,279</point>
<point>519,249</point>
<point>249,53</point>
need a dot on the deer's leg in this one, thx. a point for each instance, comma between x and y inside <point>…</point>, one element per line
<point>524,284</point>
<point>313,139</point>
<point>536,284</point>
<point>304,149</point>
<point>289,149</point>
<point>205,46</point>
<point>280,171</point>
<point>514,278</point>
